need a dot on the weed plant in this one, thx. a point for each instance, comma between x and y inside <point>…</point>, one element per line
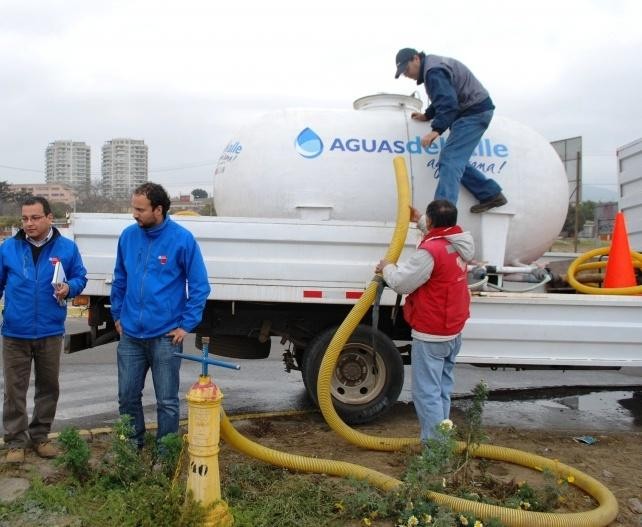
<point>133,488</point>
<point>471,432</point>
<point>123,464</point>
<point>439,468</point>
<point>264,496</point>
<point>169,454</point>
<point>127,487</point>
<point>75,454</point>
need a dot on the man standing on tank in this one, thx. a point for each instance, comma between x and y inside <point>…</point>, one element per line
<point>436,308</point>
<point>157,296</point>
<point>458,102</point>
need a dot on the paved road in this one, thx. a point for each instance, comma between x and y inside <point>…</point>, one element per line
<point>89,387</point>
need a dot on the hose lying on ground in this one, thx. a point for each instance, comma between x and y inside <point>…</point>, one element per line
<point>601,516</point>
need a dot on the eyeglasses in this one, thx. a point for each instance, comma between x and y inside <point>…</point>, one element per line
<point>35,219</point>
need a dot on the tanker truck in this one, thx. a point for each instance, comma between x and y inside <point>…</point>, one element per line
<point>306,205</point>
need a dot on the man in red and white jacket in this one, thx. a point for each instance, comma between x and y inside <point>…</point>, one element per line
<point>436,308</point>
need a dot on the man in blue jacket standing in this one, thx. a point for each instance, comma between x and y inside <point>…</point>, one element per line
<point>34,323</point>
<point>157,296</point>
<point>458,102</point>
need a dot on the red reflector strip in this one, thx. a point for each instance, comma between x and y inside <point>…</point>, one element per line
<point>354,294</point>
<point>312,294</point>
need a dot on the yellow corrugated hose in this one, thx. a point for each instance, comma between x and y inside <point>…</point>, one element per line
<point>582,263</point>
<point>302,463</point>
<point>598,517</point>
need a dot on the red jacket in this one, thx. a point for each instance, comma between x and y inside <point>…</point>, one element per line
<point>441,305</point>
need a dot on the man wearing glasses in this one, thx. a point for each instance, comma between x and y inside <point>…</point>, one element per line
<point>34,323</point>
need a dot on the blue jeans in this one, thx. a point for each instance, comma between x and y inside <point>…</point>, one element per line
<point>433,381</point>
<point>135,358</point>
<point>454,166</point>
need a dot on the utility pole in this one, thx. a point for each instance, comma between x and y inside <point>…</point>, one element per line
<point>578,186</point>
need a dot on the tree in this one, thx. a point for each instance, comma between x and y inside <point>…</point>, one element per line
<point>10,200</point>
<point>91,199</point>
<point>199,193</point>
<point>5,191</point>
<point>586,212</point>
<point>59,210</point>
<point>208,209</point>
<point>7,204</point>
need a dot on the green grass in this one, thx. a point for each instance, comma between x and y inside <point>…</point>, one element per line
<point>128,488</point>
<point>124,487</point>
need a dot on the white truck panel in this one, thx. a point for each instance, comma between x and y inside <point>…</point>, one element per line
<point>579,330</point>
<point>629,159</point>
<point>331,262</point>
<point>255,259</point>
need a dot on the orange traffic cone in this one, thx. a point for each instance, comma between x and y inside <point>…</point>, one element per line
<point>619,267</point>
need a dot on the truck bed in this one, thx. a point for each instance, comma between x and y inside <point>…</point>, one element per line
<point>331,262</point>
<point>257,260</point>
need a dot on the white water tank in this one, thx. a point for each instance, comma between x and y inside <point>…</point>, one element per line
<point>319,164</point>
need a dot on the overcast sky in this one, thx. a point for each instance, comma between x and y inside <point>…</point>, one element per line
<point>184,76</point>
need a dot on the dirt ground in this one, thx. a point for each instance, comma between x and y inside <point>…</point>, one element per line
<point>615,459</point>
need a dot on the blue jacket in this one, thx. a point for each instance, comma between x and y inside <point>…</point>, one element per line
<point>160,280</point>
<point>453,91</point>
<point>30,309</point>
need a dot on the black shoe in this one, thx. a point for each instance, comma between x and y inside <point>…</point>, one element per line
<point>495,201</point>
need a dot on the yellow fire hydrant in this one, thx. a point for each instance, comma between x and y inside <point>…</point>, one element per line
<point>204,400</point>
<point>203,431</point>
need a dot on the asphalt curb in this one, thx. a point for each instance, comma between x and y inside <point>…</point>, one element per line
<point>94,432</point>
<point>77,311</point>
<point>72,311</point>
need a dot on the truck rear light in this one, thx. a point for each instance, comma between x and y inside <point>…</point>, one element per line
<point>80,300</point>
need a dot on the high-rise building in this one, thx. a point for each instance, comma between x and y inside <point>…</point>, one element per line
<point>68,163</point>
<point>124,166</point>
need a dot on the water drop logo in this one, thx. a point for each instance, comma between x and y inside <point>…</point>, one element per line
<point>308,144</point>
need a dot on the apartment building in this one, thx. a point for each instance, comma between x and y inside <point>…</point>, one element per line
<point>68,163</point>
<point>124,166</point>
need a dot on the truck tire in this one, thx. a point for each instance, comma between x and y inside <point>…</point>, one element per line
<point>366,383</point>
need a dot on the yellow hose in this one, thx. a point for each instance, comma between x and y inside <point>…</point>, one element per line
<point>598,517</point>
<point>602,515</point>
<point>580,265</point>
<point>298,463</point>
<point>349,324</point>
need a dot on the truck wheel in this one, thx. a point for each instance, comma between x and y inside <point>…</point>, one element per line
<point>366,382</point>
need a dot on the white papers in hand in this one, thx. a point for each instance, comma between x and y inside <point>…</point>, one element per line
<point>58,279</point>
